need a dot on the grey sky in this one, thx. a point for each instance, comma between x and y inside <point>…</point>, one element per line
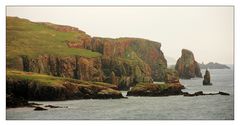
<point>207,31</point>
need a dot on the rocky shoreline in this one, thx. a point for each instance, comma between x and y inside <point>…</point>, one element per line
<point>25,86</point>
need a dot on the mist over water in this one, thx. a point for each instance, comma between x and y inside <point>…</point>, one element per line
<point>172,107</point>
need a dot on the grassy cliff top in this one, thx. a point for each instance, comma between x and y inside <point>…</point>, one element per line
<point>32,39</point>
<point>51,80</point>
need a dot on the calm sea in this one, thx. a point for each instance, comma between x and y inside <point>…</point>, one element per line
<point>215,107</point>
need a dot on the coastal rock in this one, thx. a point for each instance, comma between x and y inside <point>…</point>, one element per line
<point>15,101</point>
<point>156,90</point>
<point>125,73</point>
<point>223,93</point>
<point>38,87</point>
<point>207,78</point>
<point>39,109</point>
<point>132,49</point>
<point>186,65</point>
<point>53,106</point>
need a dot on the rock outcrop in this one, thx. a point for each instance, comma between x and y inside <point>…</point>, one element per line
<point>186,66</point>
<point>32,86</point>
<point>207,78</point>
<point>156,90</point>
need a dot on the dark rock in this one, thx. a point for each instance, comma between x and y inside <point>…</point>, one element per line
<point>186,65</point>
<point>223,93</point>
<point>52,106</point>
<point>188,95</point>
<point>15,101</point>
<point>39,109</point>
<point>207,78</point>
<point>198,93</point>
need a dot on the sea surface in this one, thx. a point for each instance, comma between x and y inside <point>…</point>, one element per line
<point>216,107</point>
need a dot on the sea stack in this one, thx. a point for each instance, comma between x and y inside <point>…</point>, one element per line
<point>207,77</point>
<point>186,65</point>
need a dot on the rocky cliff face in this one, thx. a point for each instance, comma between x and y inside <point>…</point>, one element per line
<point>100,69</point>
<point>186,65</point>
<point>71,66</point>
<point>66,51</point>
<point>130,49</point>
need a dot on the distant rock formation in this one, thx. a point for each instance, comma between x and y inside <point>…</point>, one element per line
<point>212,65</point>
<point>207,78</point>
<point>186,65</point>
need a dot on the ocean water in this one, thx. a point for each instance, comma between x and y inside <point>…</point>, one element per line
<point>216,107</point>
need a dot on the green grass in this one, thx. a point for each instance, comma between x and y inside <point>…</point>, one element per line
<point>33,39</point>
<point>29,76</point>
<point>50,80</point>
<point>146,86</point>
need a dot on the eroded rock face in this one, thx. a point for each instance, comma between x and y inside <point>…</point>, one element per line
<point>82,68</point>
<point>117,71</point>
<point>186,65</point>
<point>125,73</point>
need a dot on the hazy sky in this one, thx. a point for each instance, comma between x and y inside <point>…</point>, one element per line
<point>206,31</point>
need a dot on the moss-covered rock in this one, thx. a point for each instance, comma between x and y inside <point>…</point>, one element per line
<point>171,76</point>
